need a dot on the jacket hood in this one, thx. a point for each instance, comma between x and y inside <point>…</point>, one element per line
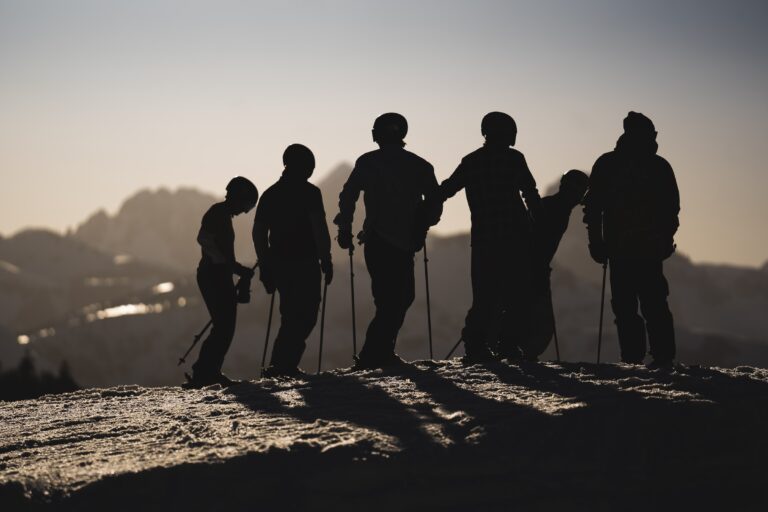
<point>637,145</point>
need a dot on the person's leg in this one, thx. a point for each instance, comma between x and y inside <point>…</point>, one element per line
<point>220,298</point>
<point>402,293</point>
<point>392,285</point>
<point>520,299</point>
<point>485,309</point>
<point>653,292</point>
<point>298,285</point>
<point>629,325</point>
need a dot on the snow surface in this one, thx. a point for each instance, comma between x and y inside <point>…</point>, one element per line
<point>428,436</point>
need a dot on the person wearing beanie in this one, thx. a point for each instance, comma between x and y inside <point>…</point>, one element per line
<point>631,212</point>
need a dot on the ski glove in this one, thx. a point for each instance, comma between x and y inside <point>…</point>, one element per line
<point>242,271</point>
<point>598,251</point>
<point>327,267</point>
<point>244,290</point>
<point>344,239</point>
<point>267,278</point>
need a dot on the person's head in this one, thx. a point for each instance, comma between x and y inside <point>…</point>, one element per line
<point>390,129</point>
<point>241,195</point>
<point>639,135</point>
<point>299,161</point>
<point>499,128</point>
<point>573,186</point>
<point>636,124</point>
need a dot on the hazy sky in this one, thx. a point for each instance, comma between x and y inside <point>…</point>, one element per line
<point>101,98</point>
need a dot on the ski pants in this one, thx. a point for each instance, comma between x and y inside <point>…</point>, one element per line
<point>220,298</point>
<point>298,284</point>
<point>642,281</point>
<point>393,288</point>
<point>501,277</point>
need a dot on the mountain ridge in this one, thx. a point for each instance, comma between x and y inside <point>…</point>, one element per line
<point>719,310</point>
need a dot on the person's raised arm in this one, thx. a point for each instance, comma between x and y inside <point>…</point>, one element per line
<point>457,181</point>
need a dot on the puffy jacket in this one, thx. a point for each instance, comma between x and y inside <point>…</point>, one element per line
<point>633,201</point>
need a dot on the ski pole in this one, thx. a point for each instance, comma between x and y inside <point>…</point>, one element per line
<point>602,307</point>
<point>554,327</point>
<point>269,327</point>
<point>453,349</point>
<point>429,309</point>
<point>183,359</point>
<point>352,291</point>
<point>322,329</point>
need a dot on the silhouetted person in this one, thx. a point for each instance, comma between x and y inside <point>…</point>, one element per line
<point>214,277</point>
<point>291,238</point>
<point>400,205</point>
<point>631,212</point>
<point>551,223</point>
<point>493,178</point>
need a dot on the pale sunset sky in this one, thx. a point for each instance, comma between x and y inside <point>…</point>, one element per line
<point>101,98</point>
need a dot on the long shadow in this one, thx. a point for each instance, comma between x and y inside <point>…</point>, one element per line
<point>708,383</point>
<point>484,412</point>
<point>348,398</point>
<point>552,380</point>
<point>342,398</point>
<point>611,410</point>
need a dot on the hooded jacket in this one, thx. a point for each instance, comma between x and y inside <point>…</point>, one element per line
<point>633,200</point>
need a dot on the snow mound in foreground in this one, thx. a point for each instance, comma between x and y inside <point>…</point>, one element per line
<point>430,435</point>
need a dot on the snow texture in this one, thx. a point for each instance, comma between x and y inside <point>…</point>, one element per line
<point>427,436</point>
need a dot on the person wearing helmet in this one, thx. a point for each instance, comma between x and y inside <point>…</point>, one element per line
<point>400,205</point>
<point>214,277</point>
<point>631,212</point>
<point>291,238</point>
<point>530,340</point>
<point>493,178</point>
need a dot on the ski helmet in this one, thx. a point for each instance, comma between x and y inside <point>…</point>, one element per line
<point>299,157</point>
<point>575,181</point>
<point>390,127</point>
<point>499,126</point>
<point>242,189</point>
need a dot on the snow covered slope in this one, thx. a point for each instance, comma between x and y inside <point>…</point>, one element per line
<point>428,436</point>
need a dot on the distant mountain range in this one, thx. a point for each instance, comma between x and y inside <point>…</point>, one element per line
<point>160,227</point>
<point>117,298</point>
